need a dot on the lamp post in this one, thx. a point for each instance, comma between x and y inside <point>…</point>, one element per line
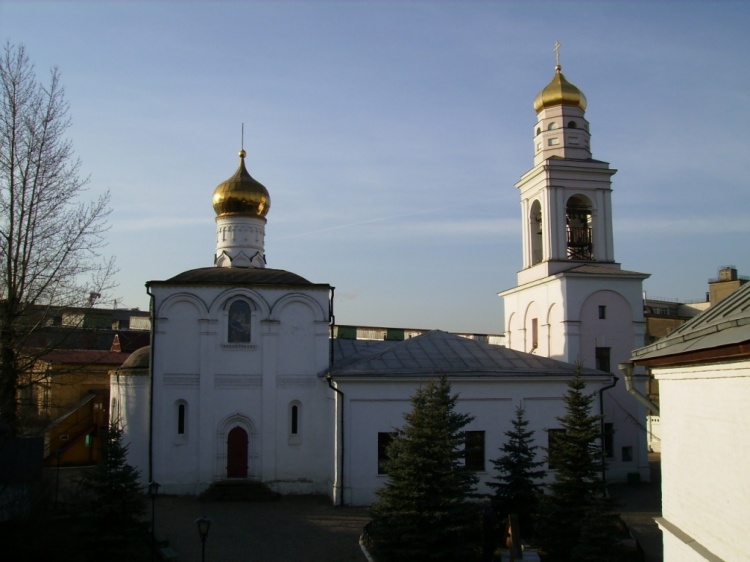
<point>203,524</point>
<point>153,491</point>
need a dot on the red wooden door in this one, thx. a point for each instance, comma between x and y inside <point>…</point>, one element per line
<point>237,453</point>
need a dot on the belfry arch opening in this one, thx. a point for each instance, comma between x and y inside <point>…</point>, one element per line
<point>579,229</point>
<point>535,230</point>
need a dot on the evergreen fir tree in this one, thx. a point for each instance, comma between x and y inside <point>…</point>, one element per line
<point>516,489</point>
<point>112,504</point>
<point>599,538</point>
<point>424,512</point>
<point>574,517</point>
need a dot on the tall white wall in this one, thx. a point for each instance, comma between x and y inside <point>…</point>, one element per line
<point>129,398</point>
<point>705,460</point>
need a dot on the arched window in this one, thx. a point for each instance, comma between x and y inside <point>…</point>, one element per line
<point>572,125</point>
<point>552,126</point>
<point>295,422</point>
<point>538,130</point>
<point>239,322</point>
<point>579,225</point>
<point>535,232</point>
<point>181,419</point>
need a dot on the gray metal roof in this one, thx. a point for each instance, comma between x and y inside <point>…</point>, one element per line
<point>234,276</point>
<point>437,353</point>
<point>726,323</point>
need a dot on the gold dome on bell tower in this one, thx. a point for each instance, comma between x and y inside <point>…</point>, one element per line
<point>241,195</point>
<point>559,92</point>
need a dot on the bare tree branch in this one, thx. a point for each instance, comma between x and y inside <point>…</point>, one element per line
<point>50,240</point>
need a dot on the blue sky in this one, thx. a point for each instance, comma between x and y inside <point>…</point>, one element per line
<point>390,136</point>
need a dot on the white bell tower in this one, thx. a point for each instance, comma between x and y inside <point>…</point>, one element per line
<point>573,302</point>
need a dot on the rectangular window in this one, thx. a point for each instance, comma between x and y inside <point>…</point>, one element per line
<point>609,440</point>
<point>602,312</point>
<point>602,359</point>
<point>554,443</point>
<point>474,450</point>
<point>384,440</point>
<point>627,454</point>
<point>534,334</point>
<point>553,141</point>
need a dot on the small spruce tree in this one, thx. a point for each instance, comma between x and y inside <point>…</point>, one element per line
<point>424,512</point>
<point>576,516</point>
<point>113,503</point>
<point>516,489</point>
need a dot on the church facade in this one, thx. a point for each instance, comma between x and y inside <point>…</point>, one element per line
<point>244,381</point>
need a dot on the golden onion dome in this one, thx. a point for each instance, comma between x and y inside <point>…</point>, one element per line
<point>559,92</point>
<point>241,195</point>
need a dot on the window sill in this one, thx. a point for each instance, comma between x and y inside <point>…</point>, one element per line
<point>239,346</point>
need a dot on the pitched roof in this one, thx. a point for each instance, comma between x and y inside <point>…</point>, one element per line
<point>437,352</point>
<point>85,357</point>
<point>234,276</point>
<point>724,325</point>
<point>595,269</point>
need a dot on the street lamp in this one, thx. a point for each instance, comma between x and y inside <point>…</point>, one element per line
<point>153,491</point>
<point>203,524</point>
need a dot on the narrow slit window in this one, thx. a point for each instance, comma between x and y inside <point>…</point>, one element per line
<point>181,419</point>
<point>295,420</point>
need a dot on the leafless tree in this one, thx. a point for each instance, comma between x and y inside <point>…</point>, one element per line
<point>50,239</point>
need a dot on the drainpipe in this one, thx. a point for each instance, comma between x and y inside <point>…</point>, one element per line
<point>627,370</point>
<point>151,392</point>
<point>601,426</point>
<point>330,381</point>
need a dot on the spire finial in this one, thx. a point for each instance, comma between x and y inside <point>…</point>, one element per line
<point>242,144</point>
<point>557,55</point>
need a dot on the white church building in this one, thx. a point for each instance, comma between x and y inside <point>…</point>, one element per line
<point>243,381</point>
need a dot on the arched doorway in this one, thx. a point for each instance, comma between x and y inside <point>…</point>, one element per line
<point>237,453</point>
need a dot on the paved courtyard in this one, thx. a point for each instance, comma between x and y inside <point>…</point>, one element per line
<point>294,528</point>
<point>309,528</point>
